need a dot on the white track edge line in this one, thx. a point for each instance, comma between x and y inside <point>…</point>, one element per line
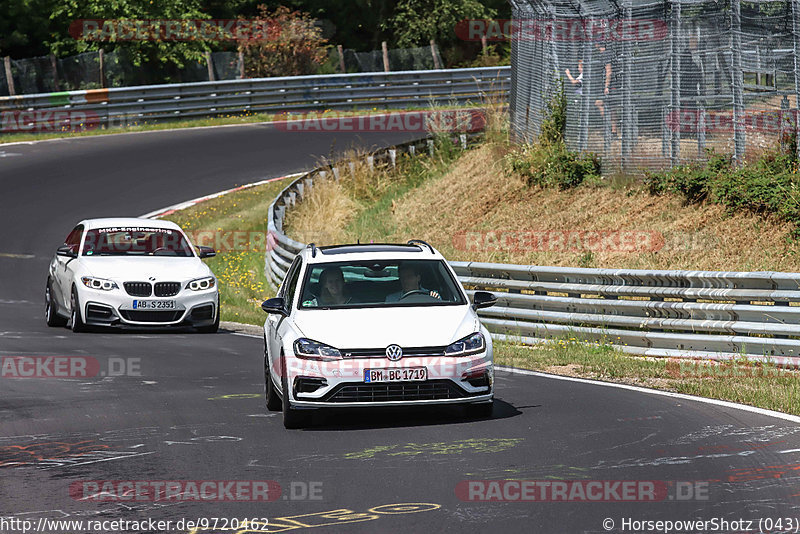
<point>682,396</point>
<point>189,203</point>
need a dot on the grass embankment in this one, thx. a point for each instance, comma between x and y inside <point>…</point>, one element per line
<point>547,191</point>
<point>236,226</point>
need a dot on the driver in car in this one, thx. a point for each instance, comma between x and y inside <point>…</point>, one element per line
<point>409,282</point>
<point>332,289</point>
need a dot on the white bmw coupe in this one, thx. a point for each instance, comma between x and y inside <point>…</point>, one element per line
<point>131,272</point>
<point>375,325</point>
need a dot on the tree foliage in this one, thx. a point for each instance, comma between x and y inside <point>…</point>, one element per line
<point>178,53</point>
<point>416,22</point>
<point>293,46</point>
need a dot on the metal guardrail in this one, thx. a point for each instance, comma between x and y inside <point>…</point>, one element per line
<point>687,314</point>
<point>282,249</point>
<point>125,105</point>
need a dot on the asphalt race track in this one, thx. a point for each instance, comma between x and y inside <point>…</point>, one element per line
<point>197,411</point>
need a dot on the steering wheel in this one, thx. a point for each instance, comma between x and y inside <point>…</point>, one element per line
<point>414,292</point>
<point>160,251</point>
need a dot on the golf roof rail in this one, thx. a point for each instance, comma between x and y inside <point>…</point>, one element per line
<point>421,242</point>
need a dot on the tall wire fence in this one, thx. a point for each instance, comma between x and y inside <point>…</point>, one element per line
<point>654,84</point>
<point>47,74</point>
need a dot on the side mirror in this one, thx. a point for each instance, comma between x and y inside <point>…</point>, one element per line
<point>275,305</point>
<point>483,299</point>
<point>66,251</point>
<point>206,252</point>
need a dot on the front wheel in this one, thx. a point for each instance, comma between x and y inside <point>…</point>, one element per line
<point>50,314</point>
<point>212,328</point>
<point>292,418</point>
<point>274,403</point>
<point>77,321</point>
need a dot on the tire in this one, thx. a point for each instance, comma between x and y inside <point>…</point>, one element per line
<point>271,396</point>
<point>50,315</point>
<point>77,321</point>
<point>480,411</point>
<point>213,328</point>
<point>292,418</point>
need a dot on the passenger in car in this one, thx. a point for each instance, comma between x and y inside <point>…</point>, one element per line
<point>332,289</point>
<point>409,282</point>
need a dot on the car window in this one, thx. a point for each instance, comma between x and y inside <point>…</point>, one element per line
<point>136,241</point>
<point>73,240</point>
<point>291,287</point>
<point>380,284</point>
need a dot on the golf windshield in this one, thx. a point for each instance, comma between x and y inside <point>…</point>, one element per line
<point>380,284</point>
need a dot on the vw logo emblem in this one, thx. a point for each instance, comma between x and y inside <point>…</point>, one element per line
<point>394,352</point>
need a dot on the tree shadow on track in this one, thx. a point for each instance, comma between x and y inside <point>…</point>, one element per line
<point>373,418</point>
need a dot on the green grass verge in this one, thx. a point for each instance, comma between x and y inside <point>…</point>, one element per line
<point>762,386</point>
<point>239,264</point>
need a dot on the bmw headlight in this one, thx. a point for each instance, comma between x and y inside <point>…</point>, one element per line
<point>201,284</point>
<point>314,350</point>
<point>99,283</point>
<point>471,344</point>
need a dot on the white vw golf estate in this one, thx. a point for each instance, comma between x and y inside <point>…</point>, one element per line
<point>374,325</point>
<point>131,272</point>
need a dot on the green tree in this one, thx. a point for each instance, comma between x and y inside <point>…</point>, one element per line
<point>177,53</point>
<point>416,22</point>
<point>294,45</point>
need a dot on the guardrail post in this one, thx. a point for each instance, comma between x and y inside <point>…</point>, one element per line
<point>430,147</point>
<point>101,57</point>
<point>54,66</point>
<point>300,189</point>
<point>336,173</point>
<point>393,157</point>
<point>371,162</point>
<point>412,150</point>
<point>9,76</point>
<point>352,166</point>
<point>340,50</point>
<point>210,66</point>
<point>436,64</point>
<point>385,56</point>
<point>463,138</point>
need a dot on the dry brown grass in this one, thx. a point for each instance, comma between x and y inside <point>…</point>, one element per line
<point>322,215</point>
<point>477,195</point>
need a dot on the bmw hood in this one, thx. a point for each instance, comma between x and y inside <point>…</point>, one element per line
<point>163,269</point>
<point>420,326</point>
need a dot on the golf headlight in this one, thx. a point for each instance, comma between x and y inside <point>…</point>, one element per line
<point>313,350</point>
<point>201,284</point>
<point>98,283</point>
<point>471,344</point>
